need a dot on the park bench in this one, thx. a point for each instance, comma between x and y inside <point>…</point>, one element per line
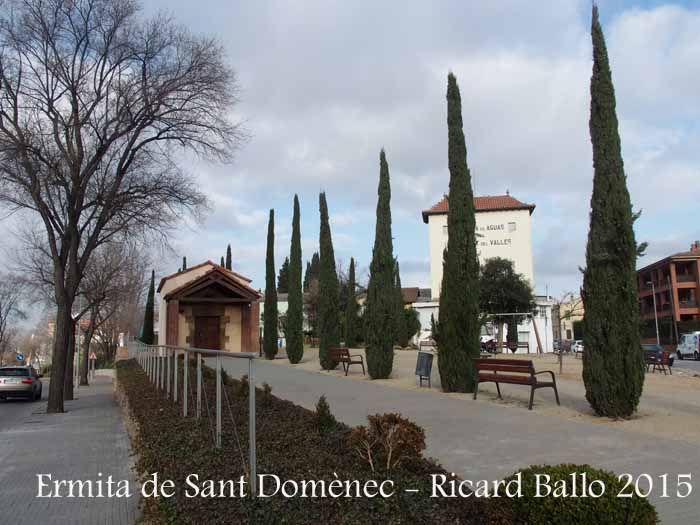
<point>342,355</point>
<point>512,372</point>
<point>513,347</point>
<point>658,361</point>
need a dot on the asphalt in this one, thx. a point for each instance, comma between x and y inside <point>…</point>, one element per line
<point>482,440</point>
<point>87,442</point>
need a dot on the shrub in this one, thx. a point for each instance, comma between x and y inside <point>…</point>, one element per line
<point>325,421</point>
<point>388,440</point>
<point>243,386</point>
<point>266,395</point>
<point>563,510</point>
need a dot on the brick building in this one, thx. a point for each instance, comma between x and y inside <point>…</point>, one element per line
<point>676,283</point>
<point>208,306</point>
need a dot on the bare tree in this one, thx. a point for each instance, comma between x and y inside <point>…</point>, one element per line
<point>11,294</point>
<point>95,102</point>
<point>115,270</point>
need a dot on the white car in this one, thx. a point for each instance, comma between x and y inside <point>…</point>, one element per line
<point>689,346</point>
<point>577,346</point>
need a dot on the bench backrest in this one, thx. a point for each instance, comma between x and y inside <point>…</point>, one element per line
<point>516,366</point>
<point>339,352</point>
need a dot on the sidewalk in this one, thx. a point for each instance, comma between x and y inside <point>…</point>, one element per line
<point>88,439</point>
<point>490,441</point>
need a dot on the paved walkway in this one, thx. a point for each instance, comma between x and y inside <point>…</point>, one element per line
<point>488,441</point>
<point>88,439</point>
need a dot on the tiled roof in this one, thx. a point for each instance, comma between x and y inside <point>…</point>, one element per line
<point>205,263</point>
<point>485,203</point>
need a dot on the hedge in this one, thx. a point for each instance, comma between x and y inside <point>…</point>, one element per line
<point>291,443</point>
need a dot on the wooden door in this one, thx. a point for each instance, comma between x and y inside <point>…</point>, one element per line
<point>206,333</point>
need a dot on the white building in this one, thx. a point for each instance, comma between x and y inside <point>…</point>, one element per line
<point>503,228</point>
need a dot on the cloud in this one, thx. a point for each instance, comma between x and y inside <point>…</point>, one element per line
<point>327,84</point>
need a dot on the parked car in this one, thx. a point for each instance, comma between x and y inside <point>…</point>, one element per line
<point>658,352</point>
<point>20,381</point>
<point>577,346</point>
<point>689,346</point>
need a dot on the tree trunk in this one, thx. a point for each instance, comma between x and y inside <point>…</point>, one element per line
<point>60,349</point>
<point>500,335</point>
<point>70,355</point>
<point>85,364</point>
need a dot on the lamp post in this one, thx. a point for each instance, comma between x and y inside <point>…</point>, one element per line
<point>656,315</point>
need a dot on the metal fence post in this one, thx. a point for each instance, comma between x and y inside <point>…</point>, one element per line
<point>185,381</point>
<point>175,375</point>
<point>199,385</point>
<point>251,428</point>
<point>218,401</point>
<point>167,365</point>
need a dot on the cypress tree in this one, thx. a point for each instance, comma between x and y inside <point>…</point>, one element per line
<point>283,277</point>
<point>351,308</point>
<point>380,310</point>
<point>401,333</point>
<point>222,262</point>
<point>184,264</point>
<point>147,336</point>
<point>228,258</point>
<point>295,311</point>
<point>313,270</point>
<point>458,326</point>
<point>329,292</point>
<point>613,366</point>
<point>270,315</point>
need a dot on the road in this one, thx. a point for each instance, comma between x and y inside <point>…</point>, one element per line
<point>14,411</point>
<point>687,364</point>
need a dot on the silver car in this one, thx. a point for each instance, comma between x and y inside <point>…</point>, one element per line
<point>20,381</point>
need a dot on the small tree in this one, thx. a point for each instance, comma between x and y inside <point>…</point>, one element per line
<point>295,313</point>
<point>380,311</point>
<point>459,328</point>
<point>351,308</point>
<point>283,277</point>
<point>222,262</point>
<point>329,292</point>
<point>148,335</point>
<point>270,318</point>
<point>228,258</point>
<point>502,290</point>
<point>184,264</point>
<point>613,366</point>
<point>401,333</point>
<point>313,270</point>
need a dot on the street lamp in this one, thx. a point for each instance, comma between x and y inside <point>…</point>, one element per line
<point>656,315</point>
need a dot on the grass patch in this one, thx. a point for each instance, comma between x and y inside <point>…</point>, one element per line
<point>290,444</point>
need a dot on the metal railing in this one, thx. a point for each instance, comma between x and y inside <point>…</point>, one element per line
<point>160,362</point>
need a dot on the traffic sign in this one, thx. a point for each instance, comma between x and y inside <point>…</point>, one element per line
<point>92,356</point>
<point>19,357</point>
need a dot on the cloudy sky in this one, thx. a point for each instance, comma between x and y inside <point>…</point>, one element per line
<point>326,84</point>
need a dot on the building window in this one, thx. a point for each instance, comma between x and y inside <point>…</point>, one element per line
<point>511,227</point>
<point>568,333</point>
<point>444,231</point>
